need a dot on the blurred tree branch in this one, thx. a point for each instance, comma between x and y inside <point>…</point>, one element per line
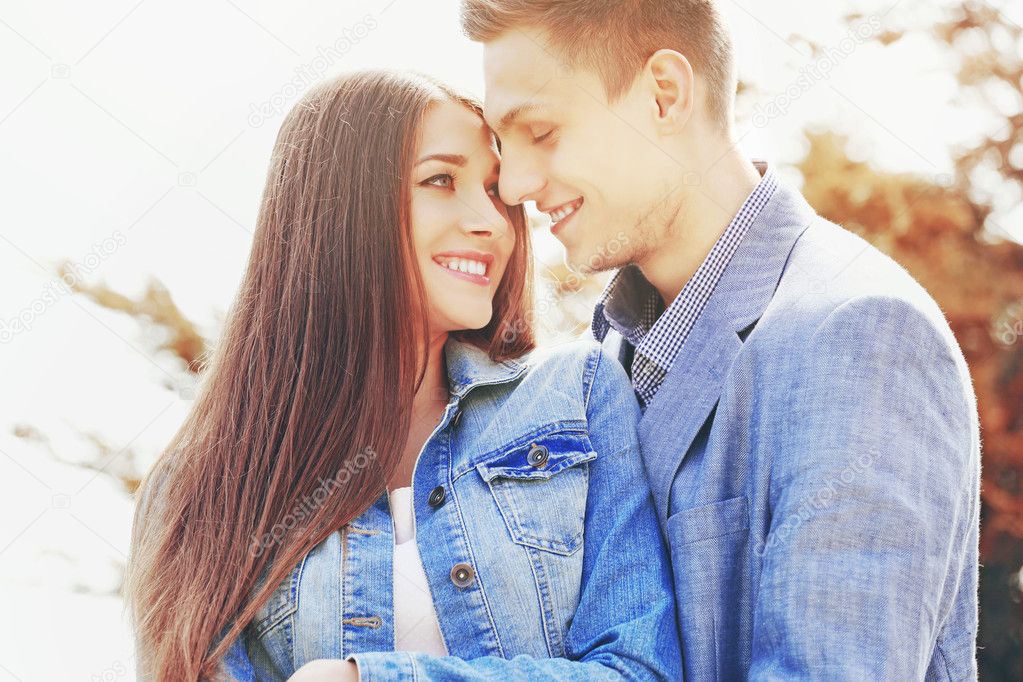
<point>155,308</point>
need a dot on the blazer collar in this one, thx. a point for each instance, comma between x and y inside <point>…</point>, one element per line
<point>692,387</point>
<point>748,284</point>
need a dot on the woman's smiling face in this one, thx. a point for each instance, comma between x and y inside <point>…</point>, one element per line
<point>461,230</point>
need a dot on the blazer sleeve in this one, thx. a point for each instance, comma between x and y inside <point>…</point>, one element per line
<point>874,499</point>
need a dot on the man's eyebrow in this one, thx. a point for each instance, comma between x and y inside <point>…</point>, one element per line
<point>515,112</point>
<point>454,159</point>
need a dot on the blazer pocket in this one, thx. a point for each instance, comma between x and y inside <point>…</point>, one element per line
<point>708,521</point>
<point>540,488</point>
<point>709,553</point>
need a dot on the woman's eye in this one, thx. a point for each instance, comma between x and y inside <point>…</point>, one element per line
<point>440,180</point>
<point>493,191</point>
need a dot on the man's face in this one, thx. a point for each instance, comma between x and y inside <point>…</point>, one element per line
<point>597,169</point>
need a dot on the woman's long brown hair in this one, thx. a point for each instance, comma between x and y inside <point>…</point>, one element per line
<point>305,407</point>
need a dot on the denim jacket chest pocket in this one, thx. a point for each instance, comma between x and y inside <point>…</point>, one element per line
<point>540,488</point>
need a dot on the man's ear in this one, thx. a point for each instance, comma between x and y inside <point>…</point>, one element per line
<point>671,80</point>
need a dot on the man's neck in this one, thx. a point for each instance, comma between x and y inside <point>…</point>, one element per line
<point>707,210</point>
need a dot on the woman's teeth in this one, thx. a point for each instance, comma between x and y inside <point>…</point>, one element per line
<point>471,267</point>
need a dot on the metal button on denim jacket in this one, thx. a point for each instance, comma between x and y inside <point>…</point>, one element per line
<point>536,530</point>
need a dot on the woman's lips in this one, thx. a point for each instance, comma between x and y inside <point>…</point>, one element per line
<point>472,266</point>
<point>482,280</point>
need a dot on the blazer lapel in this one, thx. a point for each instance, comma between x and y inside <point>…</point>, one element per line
<point>692,387</point>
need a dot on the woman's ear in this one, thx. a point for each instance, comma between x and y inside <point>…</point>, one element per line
<point>672,85</point>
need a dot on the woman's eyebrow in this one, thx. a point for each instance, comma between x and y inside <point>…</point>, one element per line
<point>454,159</point>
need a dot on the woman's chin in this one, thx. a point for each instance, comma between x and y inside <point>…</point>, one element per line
<point>471,320</point>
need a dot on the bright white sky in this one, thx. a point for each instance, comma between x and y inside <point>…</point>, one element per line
<point>134,118</point>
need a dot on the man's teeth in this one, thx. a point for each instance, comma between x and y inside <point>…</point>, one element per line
<point>471,267</point>
<point>562,213</point>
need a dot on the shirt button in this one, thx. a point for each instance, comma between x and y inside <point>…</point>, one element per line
<point>462,575</point>
<point>437,496</point>
<point>537,456</point>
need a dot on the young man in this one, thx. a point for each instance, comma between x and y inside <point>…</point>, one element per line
<point>810,430</point>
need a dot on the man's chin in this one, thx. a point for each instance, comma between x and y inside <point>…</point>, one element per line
<point>589,261</point>
<point>585,266</point>
<point>575,263</point>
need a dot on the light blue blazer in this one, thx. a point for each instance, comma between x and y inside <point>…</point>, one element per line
<point>814,457</point>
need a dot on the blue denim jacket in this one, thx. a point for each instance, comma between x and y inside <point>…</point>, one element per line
<point>544,559</point>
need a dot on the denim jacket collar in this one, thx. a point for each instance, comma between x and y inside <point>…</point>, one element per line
<point>469,366</point>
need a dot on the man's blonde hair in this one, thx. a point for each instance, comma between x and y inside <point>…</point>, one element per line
<point>616,37</point>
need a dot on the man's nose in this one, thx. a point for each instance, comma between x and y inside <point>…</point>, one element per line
<point>520,180</point>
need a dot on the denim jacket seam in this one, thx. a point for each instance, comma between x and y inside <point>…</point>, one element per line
<point>543,599</point>
<point>261,628</point>
<point>589,374</point>
<point>464,534</point>
<point>412,665</point>
<point>340,583</point>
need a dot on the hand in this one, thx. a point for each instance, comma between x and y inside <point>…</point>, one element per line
<point>326,670</point>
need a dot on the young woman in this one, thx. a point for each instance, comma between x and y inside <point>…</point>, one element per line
<point>380,479</point>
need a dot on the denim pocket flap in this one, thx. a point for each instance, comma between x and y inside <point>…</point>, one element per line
<point>539,458</point>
